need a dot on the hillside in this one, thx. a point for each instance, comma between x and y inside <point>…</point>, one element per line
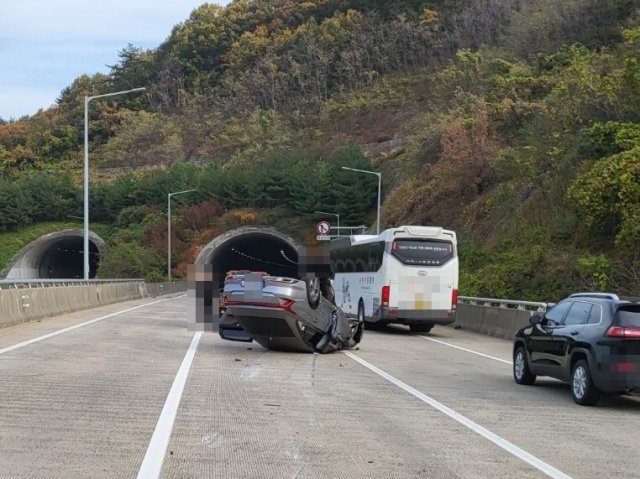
<point>517,124</point>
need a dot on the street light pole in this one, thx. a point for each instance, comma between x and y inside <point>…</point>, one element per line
<point>169,229</point>
<point>87,99</point>
<point>332,214</point>
<point>379,175</point>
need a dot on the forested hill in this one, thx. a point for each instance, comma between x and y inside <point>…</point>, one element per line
<point>517,123</point>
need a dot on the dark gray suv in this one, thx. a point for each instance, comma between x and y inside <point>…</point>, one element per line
<point>591,340</point>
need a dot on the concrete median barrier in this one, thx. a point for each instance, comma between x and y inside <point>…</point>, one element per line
<point>494,317</point>
<point>22,302</point>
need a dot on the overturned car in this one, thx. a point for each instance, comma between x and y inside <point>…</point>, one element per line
<point>286,314</point>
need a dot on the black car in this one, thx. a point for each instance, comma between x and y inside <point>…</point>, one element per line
<point>591,340</point>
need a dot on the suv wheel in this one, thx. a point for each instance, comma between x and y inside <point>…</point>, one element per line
<point>583,390</point>
<point>313,291</point>
<point>521,372</point>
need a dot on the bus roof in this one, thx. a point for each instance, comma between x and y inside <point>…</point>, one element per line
<point>389,234</point>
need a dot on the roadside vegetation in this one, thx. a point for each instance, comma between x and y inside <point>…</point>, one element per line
<point>519,126</point>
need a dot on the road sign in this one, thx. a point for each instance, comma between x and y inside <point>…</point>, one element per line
<point>323,228</point>
<point>323,238</point>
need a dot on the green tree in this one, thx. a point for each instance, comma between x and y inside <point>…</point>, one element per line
<point>130,260</point>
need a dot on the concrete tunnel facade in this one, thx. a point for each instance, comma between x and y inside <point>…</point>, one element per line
<point>60,255</point>
<point>255,249</point>
<point>57,255</point>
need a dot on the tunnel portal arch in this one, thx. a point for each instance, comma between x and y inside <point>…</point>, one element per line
<point>252,248</point>
<point>57,255</point>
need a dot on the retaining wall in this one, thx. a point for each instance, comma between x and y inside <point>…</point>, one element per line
<point>19,305</point>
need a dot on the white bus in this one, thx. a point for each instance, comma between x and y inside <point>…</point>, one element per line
<point>406,275</point>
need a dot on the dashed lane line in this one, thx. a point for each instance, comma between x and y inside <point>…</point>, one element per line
<point>475,427</point>
<point>466,350</point>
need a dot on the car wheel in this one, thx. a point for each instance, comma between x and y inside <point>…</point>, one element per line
<point>583,390</point>
<point>361,312</point>
<point>357,337</point>
<point>313,291</point>
<point>521,372</point>
<point>420,328</point>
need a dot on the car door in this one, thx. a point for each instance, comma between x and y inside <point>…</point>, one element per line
<point>542,349</point>
<point>566,336</point>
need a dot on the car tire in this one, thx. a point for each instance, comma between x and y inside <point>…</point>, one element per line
<point>583,391</point>
<point>361,312</point>
<point>313,291</point>
<point>420,328</point>
<point>521,372</point>
<point>357,337</point>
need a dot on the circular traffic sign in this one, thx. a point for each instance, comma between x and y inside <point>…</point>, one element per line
<point>323,228</point>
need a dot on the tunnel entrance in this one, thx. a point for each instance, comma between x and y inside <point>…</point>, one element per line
<point>251,248</point>
<point>64,259</point>
<point>56,256</point>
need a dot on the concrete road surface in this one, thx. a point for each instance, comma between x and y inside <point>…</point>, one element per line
<point>128,390</point>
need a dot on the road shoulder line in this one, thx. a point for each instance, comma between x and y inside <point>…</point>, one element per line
<point>76,326</point>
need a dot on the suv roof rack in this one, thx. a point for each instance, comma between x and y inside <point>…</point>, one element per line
<point>596,295</point>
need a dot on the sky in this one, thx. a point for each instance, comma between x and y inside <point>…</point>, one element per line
<point>46,44</point>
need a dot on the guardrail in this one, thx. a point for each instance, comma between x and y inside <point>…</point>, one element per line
<point>495,317</point>
<point>47,283</point>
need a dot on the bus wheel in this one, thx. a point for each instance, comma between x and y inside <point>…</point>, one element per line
<point>313,291</point>
<point>420,328</point>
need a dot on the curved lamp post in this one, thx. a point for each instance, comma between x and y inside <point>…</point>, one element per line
<point>379,175</point>
<point>87,99</point>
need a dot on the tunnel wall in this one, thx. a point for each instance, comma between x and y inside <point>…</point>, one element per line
<point>27,262</point>
<point>31,303</point>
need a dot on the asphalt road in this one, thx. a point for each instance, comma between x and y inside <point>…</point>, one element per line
<point>135,392</point>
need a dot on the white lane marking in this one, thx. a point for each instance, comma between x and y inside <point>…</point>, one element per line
<point>86,323</point>
<point>467,350</point>
<point>153,459</point>
<point>475,427</point>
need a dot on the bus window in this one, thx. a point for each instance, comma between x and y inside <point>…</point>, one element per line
<point>422,252</point>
